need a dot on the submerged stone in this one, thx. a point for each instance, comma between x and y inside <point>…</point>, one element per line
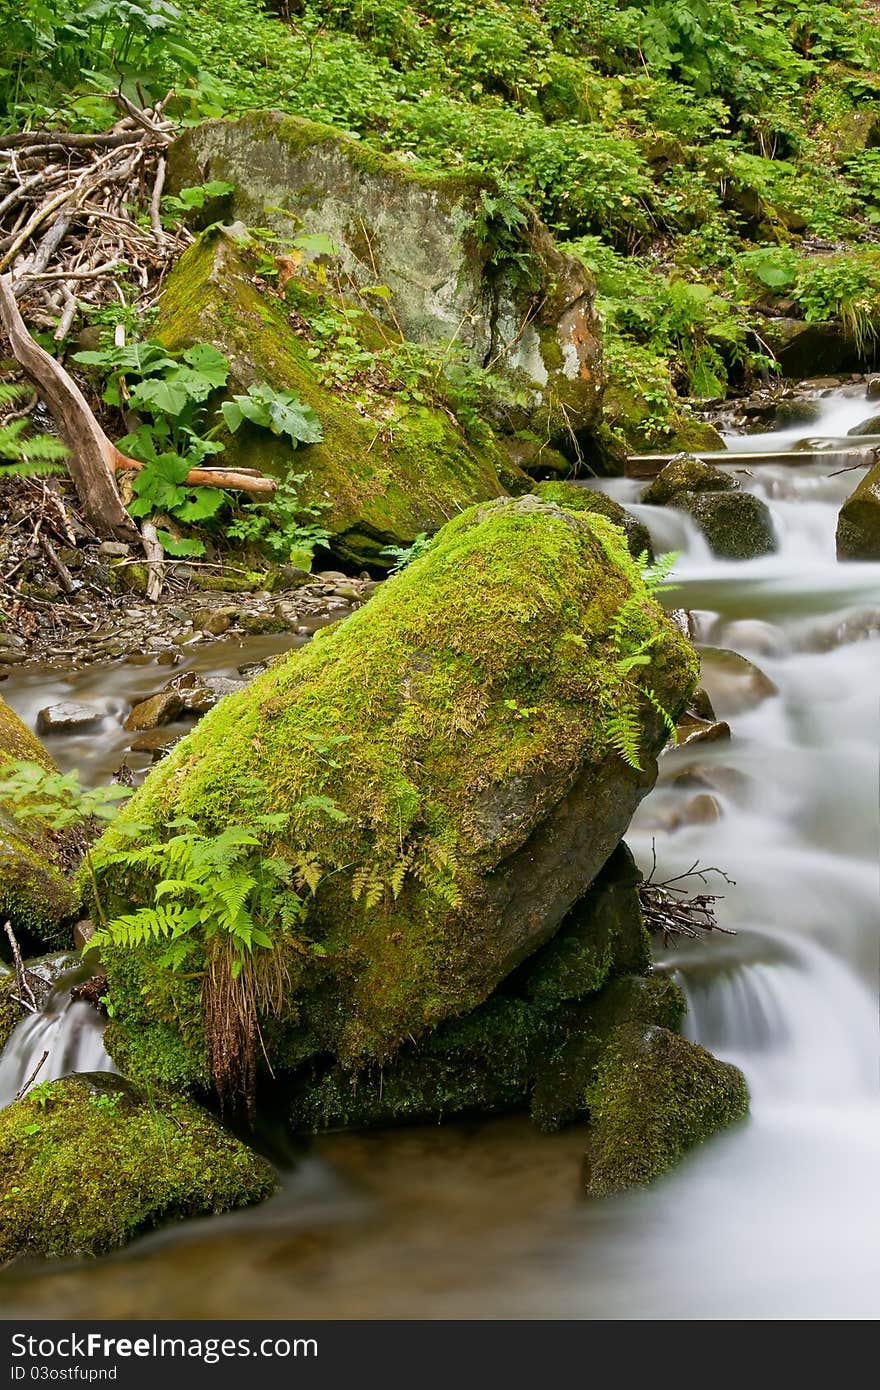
<point>655,1096</point>
<point>90,1162</point>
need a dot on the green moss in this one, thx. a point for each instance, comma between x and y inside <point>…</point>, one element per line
<point>472,698</point>
<point>655,1096</point>
<point>89,1162</point>
<point>737,525</point>
<point>858,525</point>
<point>562,1087</point>
<point>385,471</point>
<point>582,499</point>
<point>11,1012</point>
<point>602,935</point>
<point>35,895</point>
<point>686,475</point>
<point>481,1064</point>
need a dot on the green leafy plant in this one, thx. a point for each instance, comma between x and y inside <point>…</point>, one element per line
<point>282,412</point>
<point>632,653</point>
<point>284,524</point>
<point>403,555</point>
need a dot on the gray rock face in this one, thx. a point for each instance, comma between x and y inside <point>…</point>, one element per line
<point>858,526</point>
<point>455,270</point>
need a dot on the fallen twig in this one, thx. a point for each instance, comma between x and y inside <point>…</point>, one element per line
<point>669,910</point>
<point>25,1088</point>
<point>21,975</point>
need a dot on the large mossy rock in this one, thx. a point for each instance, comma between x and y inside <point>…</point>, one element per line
<point>90,1162</point>
<point>464,723</point>
<point>655,1096</point>
<point>35,895</point>
<point>462,261</point>
<point>385,471</point>
<point>582,499</point>
<point>858,525</point>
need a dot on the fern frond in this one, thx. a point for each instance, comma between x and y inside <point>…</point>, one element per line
<point>668,721</point>
<point>625,734</point>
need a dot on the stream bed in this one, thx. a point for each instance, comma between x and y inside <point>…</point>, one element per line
<point>777,1218</point>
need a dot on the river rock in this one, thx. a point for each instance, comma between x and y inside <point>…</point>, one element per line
<point>463,723</point>
<point>69,717</point>
<point>870,426</point>
<point>809,349</point>
<point>34,892</point>
<point>163,708</point>
<point>737,525</point>
<point>582,499</point>
<point>148,1158</point>
<point>858,524</point>
<point>686,474</point>
<point>495,285</point>
<point>732,681</point>
<point>655,1096</point>
<point>692,729</point>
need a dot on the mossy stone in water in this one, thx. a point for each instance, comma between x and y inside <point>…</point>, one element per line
<point>858,525</point>
<point>686,474</point>
<point>34,893</point>
<point>562,1086</point>
<point>655,1096</point>
<point>582,499</point>
<point>737,525</point>
<point>89,1162</point>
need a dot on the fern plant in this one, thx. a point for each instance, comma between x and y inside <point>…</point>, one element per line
<point>632,654</point>
<point>24,454</point>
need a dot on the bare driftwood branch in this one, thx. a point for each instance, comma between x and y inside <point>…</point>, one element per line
<point>22,984</point>
<point>93,458</point>
<point>33,1076</point>
<point>155,555</point>
<point>236,480</point>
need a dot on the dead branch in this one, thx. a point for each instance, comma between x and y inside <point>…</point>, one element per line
<point>236,480</point>
<point>33,1076</point>
<point>22,983</point>
<point>670,911</point>
<point>155,555</point>
<point>93,458</point>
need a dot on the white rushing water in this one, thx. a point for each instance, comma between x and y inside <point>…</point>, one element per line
<point>64,1037</point>
<point>779,1218</point>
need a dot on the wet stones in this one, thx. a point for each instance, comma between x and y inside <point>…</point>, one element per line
<point>736,524</point>
<point>69,717</point>
<point>733,683</point>
<point>858,524</point>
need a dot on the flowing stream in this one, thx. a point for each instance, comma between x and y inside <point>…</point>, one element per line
<point>777,1218</point>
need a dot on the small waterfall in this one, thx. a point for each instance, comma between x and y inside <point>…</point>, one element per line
<point>68,1031</point>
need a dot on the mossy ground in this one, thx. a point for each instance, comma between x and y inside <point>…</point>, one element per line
<point>656,1095</point>
<point>446,719</point>
<point>88,1163</point>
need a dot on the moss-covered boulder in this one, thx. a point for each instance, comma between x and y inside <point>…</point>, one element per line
<point>90,1162</point>
<point>568,1070</point>
<point>464,262</point>
<point>686,474</point>
<point>858,524</point>
<point>466,723</point>
<point>386,469</point>
<point>35,895</point>
<point>655,1096</point>
<point>737,525</point>
<point>583,499</point>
